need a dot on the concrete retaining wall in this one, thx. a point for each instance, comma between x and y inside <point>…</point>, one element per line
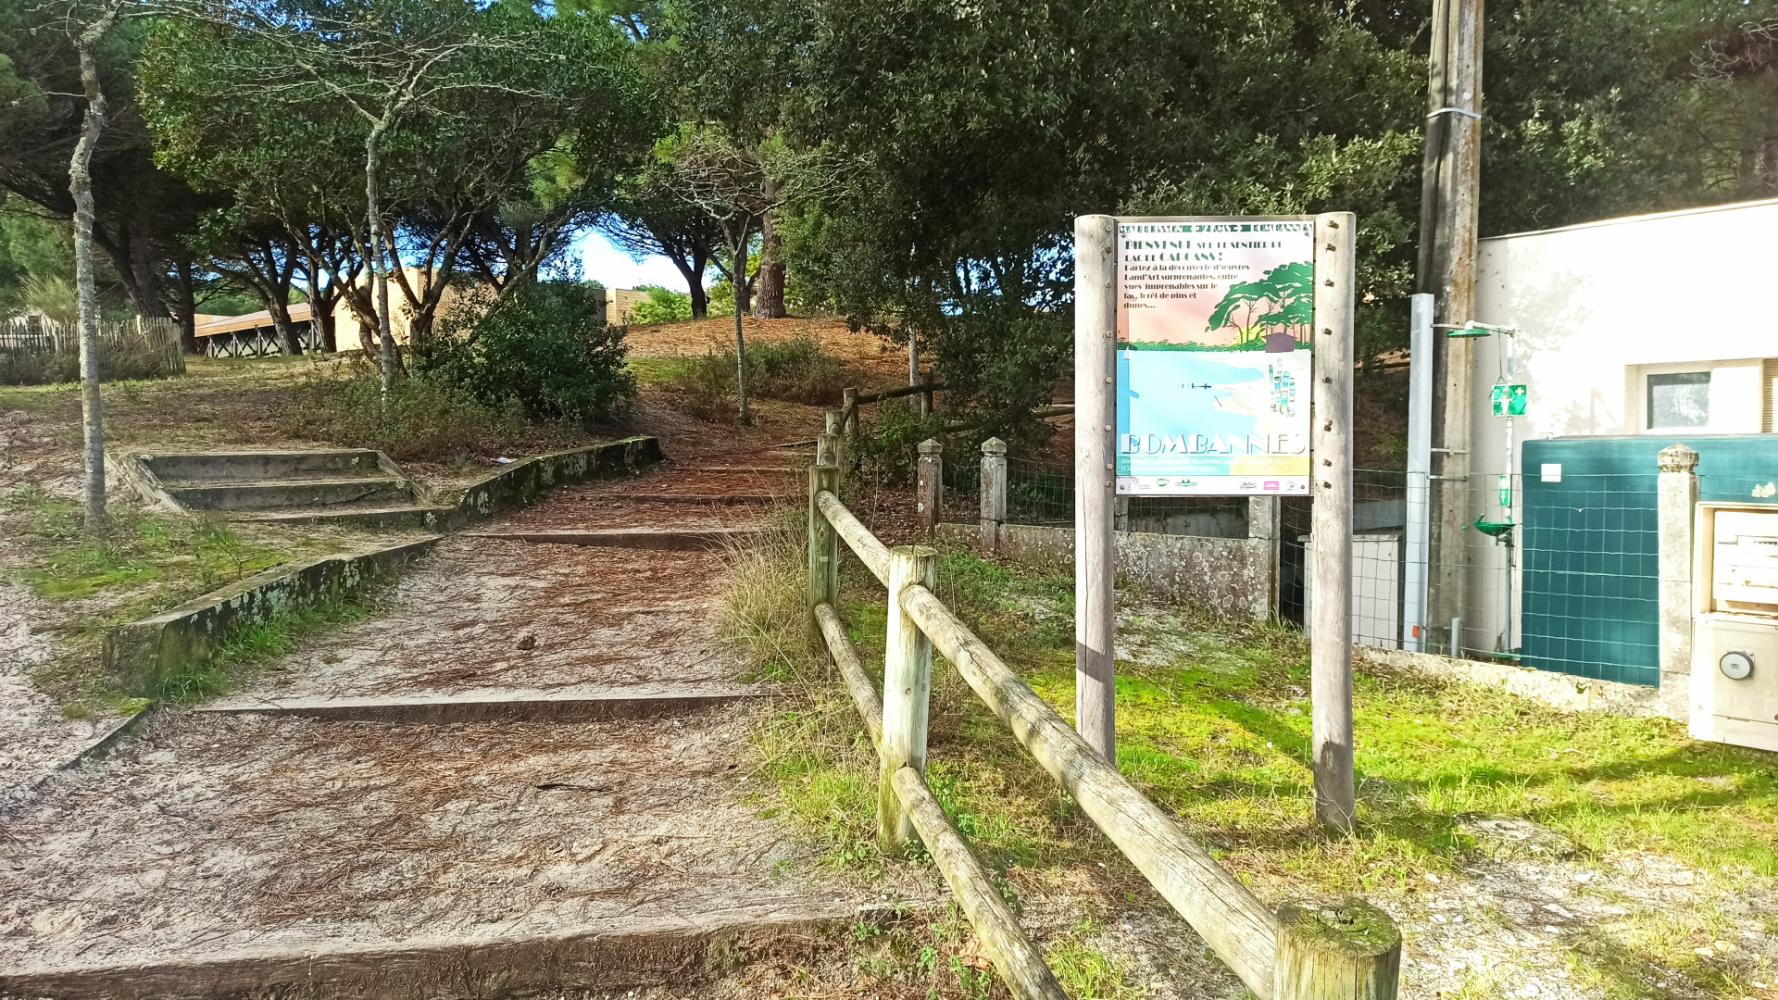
<point>522,482</point>
<point>1574,694</point>
<point>143,653</point>
<point>1232,576</point>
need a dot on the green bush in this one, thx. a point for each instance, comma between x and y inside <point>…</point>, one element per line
<point>663,305</point>
<point>886,446</point>
<point>543,348</point>
<point>794,371</point>
<point>425,419</point>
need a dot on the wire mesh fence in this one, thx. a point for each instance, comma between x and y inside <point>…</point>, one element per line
<point>1555,571</point>
<point>1042,493</point>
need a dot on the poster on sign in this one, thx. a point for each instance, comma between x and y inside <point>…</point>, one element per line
<point>1214,317</point>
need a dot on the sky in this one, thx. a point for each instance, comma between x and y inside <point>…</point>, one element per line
<point>602,262</point>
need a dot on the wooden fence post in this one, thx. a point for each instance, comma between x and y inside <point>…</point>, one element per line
<point>907,688</point>
<point>1095,367</point>
<point>926,401</point>
<point>929,484</point>
<point>824,543</point>
<point>993,491</point>
<point>848,427</point>
<point>1347,951</point>
<point>1330,640</point>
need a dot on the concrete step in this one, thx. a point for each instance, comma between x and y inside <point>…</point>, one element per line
<point>248,466</point>
<point>414,516</point>
<point>283,494</point>
<point>570,704</point>
<point>670,539</point>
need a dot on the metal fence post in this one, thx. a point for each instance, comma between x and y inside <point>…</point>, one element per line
<point>1347,951</point>
<point>993,491</point>
<point>1677,494</point>
<point>929,484</point>
<point>907,689</point>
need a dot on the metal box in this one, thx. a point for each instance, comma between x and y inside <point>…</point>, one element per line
<point>1734,696</point>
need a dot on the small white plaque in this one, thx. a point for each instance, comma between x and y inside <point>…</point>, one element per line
<point>1552,472</point>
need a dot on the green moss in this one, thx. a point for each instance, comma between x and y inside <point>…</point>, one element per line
<point>256,642</point>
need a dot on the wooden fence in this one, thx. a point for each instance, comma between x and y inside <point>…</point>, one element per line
<point>1346,950</point>
<point>155,340</point>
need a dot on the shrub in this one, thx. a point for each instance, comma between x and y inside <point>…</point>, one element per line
<point>663,305</point>
<point>794,371</point>
<point>887,444</point>
<point>425,418</point>
<point>541,348</point>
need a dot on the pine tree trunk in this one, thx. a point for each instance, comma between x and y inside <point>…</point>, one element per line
<point>741,333</point>
<point>379,273</point>
<point>80,185</point>
<point>768,302</point>
<point>188,309</point>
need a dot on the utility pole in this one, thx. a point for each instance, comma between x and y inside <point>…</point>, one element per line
<point>1449,195</point>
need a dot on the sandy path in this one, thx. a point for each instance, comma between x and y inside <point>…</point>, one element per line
<point>224,837</point>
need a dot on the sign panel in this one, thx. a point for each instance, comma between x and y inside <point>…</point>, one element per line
<point>1214,317</point>
<point>1508,399</point>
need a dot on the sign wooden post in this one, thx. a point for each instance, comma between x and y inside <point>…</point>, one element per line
<point>1330,638</point>
<point>1095,416</point>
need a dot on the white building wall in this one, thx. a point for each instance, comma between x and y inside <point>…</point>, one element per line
<point>1599,307</point>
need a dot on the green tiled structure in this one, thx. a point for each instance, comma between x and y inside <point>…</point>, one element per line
<point>1589,542</point>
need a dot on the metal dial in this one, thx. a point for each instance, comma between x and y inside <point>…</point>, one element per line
<point>1736,666</point>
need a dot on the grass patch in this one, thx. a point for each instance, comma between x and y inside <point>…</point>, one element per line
<point>143,563</point>
<point>137,548</point>
<point>1215,728</point>
<point>256,642</point>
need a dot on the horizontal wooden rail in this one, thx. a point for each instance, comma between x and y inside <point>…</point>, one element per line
<point>874,554</point>
<point>1346,950</point>
<point>1020,964</point>
<point>1225,913</point>
<point>897,391</point>
<point>858,683</point>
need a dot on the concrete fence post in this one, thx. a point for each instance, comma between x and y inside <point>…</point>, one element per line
<point>907,690</point>
<point>1265,525</point>
<point>1346,951</point>
<point>993,491</point>
<point>1676,507</point>
<point>929,484</point>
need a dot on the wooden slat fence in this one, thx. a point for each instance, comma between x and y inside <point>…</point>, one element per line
<point>1346,950</point>
<point>158,338</point>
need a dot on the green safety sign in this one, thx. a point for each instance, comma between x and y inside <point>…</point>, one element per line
<point>1509,399</point>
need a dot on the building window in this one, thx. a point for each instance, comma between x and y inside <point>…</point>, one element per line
<point>1678,399</point>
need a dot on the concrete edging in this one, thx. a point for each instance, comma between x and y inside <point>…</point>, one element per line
<point>662,950</point>
<point>522,482</point>
<point>1560,691</point>
<point>143,652</point>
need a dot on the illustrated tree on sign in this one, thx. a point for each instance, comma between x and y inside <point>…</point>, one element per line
<point>1287,291</point>
<point>1249,297</point>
